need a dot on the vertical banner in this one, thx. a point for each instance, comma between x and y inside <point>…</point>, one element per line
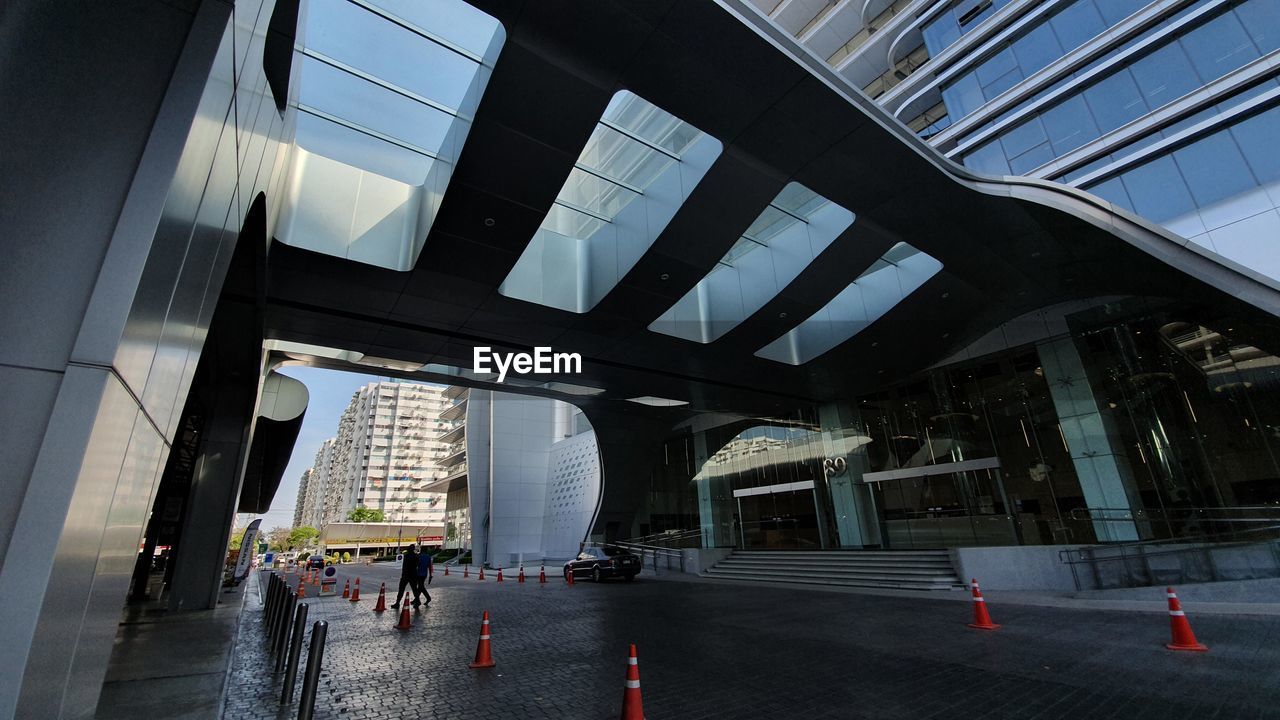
<point>248,544</point>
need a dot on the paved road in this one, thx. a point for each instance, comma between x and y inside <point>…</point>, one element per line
<point>709,650</point>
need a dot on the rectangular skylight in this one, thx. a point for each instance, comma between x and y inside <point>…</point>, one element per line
<point>385,97</point>
<point>783,240</point>
<point>889,280</point>
<point>634,172</point>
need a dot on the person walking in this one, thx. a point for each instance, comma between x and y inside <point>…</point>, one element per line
<point>408,573</point>
<point>426,568</point>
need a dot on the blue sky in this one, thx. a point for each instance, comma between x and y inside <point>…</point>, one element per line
<point>330,392</point>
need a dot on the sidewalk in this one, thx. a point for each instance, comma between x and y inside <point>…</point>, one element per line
<point>171,666</point>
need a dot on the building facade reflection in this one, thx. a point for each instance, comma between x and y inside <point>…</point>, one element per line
<point>1129,423</point>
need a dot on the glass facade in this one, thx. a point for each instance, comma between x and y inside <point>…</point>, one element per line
<point>1171,69</point>
<point>1113,431</point>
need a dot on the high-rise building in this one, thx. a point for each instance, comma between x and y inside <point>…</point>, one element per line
<point>1167,109</point>
<point>304,505</point>
<point>388,444</point>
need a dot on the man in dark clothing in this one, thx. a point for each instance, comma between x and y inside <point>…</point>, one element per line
<point>408,572</point>
<point>423,577</point>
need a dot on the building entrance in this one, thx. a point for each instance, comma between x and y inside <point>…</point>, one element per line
<point>778,517</point>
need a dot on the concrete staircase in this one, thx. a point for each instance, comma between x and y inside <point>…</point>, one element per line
<point>904,569</point>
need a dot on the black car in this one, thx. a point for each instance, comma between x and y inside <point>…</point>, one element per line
<point>606,562</point>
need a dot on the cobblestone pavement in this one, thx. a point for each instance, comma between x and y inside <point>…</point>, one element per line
<point>728,651</point>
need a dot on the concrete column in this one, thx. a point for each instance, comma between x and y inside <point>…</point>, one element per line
<point>1106,478</point>
<point>716,505</point>
<point>857,522</point>
<point>211,505</point>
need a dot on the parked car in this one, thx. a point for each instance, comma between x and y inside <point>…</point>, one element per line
<point>599,563</point>
<point>315,562</point>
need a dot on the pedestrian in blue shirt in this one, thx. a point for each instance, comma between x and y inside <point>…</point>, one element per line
<point>425,571</point>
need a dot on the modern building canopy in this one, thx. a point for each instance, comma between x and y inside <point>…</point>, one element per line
<point>934,248</point>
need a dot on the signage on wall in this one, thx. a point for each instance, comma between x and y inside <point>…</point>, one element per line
<point>834,466</point>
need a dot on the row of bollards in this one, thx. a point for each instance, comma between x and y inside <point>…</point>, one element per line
<point>284,621</point>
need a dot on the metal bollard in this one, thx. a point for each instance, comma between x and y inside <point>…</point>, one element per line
<point>295,653</point>
<point>311,681</point>
<point>270,604</point>
<point>282,625</point>
<point>285,634</point>
<point>273,608</point>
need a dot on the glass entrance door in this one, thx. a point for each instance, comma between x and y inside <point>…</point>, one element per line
<point>786,520</point>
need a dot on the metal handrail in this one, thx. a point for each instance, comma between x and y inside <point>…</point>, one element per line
<point>666,535</point>
<point>652,551</point>
<point>1144,550</point>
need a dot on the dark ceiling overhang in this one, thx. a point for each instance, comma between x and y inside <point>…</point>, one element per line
<point>1008,246</point>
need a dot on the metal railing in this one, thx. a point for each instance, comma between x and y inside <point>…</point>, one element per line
<point>1197,545</point>
<point>670,539</point>
<point>651,556</point>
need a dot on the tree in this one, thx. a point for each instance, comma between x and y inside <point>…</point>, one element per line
<point>237,537</point>
<point>278,539</point>
<point>364,514</point>
<point>302,536</point>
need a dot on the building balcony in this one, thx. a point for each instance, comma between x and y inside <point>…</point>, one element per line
<point>456,456</point>
<point>457,412</point>
<point>453,435</point>
<point>456,391</point>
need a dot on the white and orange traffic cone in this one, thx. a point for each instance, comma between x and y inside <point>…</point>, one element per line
<point>520,577</point>
<point>542,574</point>
<point>346,590</point>
<point>406,622</point>
<point>568,575</point>
<point>632,708</point>
<point>499,574</point>
<point>302,590</point>
<point>981,619</point>
<point>484,657</point>
<point>381,605</point>
<point>1183,638</point>
<point>481,577</point>
<point>355,593</point>
<point>466,571</point>
<point>446,571</point>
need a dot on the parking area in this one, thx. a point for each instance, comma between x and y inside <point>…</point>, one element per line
<point>712,650</point>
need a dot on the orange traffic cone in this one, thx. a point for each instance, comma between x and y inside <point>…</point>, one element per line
<point>481,572</point>
<point>381,605</point>
<point>446,571</point>
<point>406,622</point>
<point>1183,638</point>
<point>981,619</point>
<point>466,571</point>
<point>520,577</point>
<point>631,705</point>
<point>346,590</point>
<point>484,659</point>
<point>542,574</point>
<point>302,590</point>
<point>355,594</point>
<point>568,575</point>
<point>499,574</point>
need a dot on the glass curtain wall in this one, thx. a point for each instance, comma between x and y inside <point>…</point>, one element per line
<point>1138,424</point>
